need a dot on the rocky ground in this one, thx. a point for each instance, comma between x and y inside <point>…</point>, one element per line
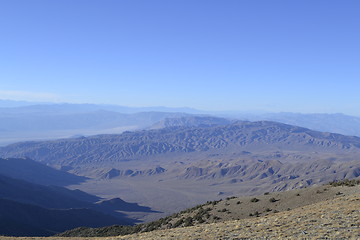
<point>230,208</point>
<point>333,219</point>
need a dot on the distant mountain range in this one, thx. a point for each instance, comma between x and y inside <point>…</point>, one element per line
<point>63,121</point>
<point>232,138</point>
<point>24,121</point>
<point>191,121</point>
<point>334,123</point>
<point>66,107</point>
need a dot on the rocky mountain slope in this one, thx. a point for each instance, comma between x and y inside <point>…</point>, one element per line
<point>336,218</point>
<point>233,208</point>
<point>332,219</point>
<point>237,138</point>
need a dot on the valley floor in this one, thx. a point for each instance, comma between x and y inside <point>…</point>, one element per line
<point>338,218</point>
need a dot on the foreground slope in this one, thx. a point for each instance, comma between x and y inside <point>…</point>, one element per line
<point>232,208</point>
<point>336,218</point>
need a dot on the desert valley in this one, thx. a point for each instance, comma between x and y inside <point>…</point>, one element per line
<point>143,175</point>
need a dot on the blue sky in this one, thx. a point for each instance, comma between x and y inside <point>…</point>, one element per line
<point>296,56</point>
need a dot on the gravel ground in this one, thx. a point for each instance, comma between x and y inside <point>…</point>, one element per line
<point>334,219</point>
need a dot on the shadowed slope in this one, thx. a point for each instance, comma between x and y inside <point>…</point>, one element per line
<point>31,171</point>
<point>44,196</point>
<point>18,219</point>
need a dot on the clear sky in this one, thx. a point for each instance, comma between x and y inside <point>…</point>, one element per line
<point>297,56</point>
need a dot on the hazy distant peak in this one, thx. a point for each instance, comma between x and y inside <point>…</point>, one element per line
<point>191,121</point>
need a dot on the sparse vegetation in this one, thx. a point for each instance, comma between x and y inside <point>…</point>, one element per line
<point>254,200</point>
<point>188,222</point>
<point>198,218</point>
<point>294,224</point>
<point>229,198</point>
<point>178,223</point>
<point>256,214</point>
<point>345,182</point>
<point>215,202</point>
<point>272,200</point>
<point>202,213</point>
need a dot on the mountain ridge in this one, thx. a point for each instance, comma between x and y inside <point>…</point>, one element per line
<point>53,121</point>
<point>246,135</point>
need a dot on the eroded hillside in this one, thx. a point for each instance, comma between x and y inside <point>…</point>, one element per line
<point>188,165</point>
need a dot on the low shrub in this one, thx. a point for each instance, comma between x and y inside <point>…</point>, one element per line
<point>345,182</point>
<point>272,200</point>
